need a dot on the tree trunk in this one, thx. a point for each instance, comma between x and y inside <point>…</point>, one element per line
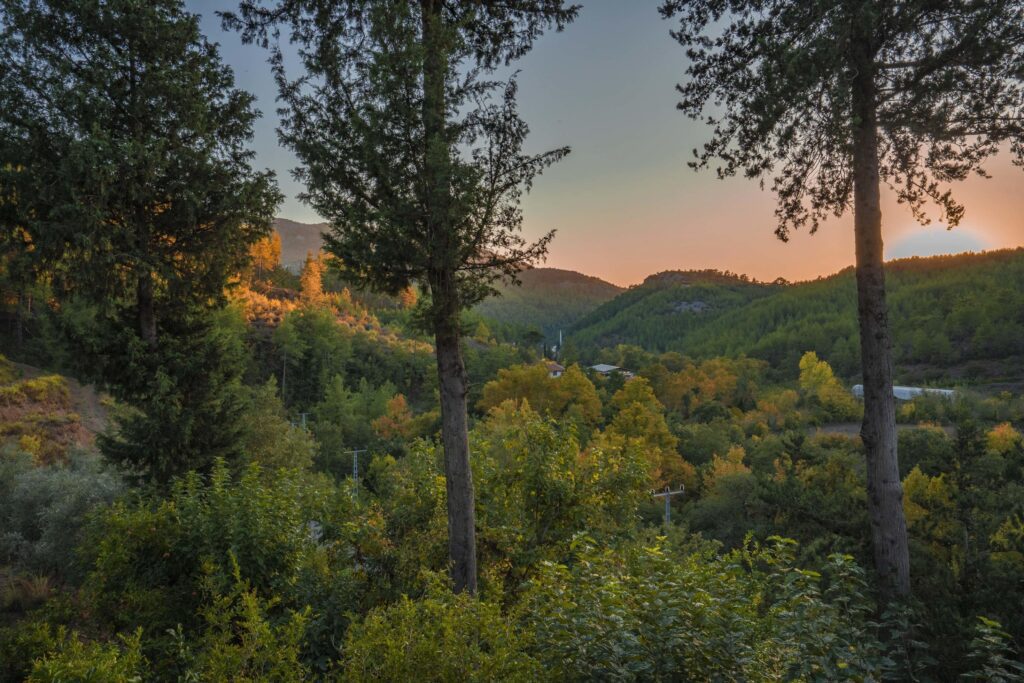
<point>878,431</point>
<point>19,320</point>
<point>147,316</point>
<point>451,371</point>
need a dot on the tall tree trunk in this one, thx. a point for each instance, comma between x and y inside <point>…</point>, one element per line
<point>147,315</point>
<point>19,320</point>
<point>451,371</point>
<point>878,431</point>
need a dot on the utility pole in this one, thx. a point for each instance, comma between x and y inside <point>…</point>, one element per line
<point>355,469</point>
<point>667,495</point>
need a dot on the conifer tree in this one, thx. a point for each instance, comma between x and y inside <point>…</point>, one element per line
<point>311,281</point>
<point>135,188</point>
<point>414,157</point>
<point>828,100</point>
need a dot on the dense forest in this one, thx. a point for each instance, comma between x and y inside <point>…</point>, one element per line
<point>217,463</point>
<point>547,299</point>
<point>955,318</point>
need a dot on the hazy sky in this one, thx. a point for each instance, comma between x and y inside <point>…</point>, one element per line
<point>624,203</point>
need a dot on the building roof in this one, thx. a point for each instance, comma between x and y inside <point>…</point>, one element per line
<point>604,368</point>
<point>555,367</point>
<point>908,393</point>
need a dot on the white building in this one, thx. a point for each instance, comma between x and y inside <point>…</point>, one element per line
<point>908,393</point>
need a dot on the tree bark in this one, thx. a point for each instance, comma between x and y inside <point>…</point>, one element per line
<point>19,320</point>
<point>147,315</point>
<point>451,370</point>
<point>451,373</point>
<point>878,431</point>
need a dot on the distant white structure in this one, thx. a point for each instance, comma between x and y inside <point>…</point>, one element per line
<point>908,393</point>
<point>554,369</point>
<point>605,369</point>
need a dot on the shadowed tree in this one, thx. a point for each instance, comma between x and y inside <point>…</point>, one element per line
<point>414,156</point>
<point>827,100</point>
<point>135,188</point>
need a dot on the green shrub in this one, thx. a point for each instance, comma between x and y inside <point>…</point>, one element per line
<point>44,509</point>
<point>439,637</point>
<point>647,613</point>
<point>238,642</point>
<point>91,662</point>
<point>160,563</point>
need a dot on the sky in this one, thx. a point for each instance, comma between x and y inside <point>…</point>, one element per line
<point>624,203</point>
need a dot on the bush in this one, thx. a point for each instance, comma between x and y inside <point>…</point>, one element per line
<point>44,509</point>
<point>439,637</point>
<point>91,662</point>
<point>161,564</point>
<point>647,613</point>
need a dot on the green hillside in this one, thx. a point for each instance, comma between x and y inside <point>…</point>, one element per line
<point>549,299</point>
<point>954,317</point>
<point>665,309</point>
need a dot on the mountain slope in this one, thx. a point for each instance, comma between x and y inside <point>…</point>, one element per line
<point>657,314</point>
<point>297,240</point>
<point>954,317</point>
<point>550,299</point>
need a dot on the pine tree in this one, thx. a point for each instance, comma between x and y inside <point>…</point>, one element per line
<point>830,99</point>
<point>136,190</point>
<point>415,159</point>
<point>311,281</point>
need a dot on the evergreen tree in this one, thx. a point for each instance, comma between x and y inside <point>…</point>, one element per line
<point>415,159</point>
<point>136,189</point>
<point>829,99</point>
<point>311,281</point>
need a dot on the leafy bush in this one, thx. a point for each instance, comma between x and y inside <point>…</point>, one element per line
<point>91,662</point>
<point>648,613</point>
<point>161,564</point>
<point>44,509</point>
<point>439,637</point>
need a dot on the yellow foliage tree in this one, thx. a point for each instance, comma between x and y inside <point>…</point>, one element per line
<point>1003,439</point>
<point>640,418</point>
<point>311,281</point>
<point>819,383</point>
<point>571,396</point>
<point>266,254</point>
<point>408,297</point>
<point>732,464</point>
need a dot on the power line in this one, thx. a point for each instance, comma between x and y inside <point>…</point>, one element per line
<point>355,469</point>
<point>667,495</point>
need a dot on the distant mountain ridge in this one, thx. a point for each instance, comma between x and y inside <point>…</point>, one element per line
<point>297,240</point>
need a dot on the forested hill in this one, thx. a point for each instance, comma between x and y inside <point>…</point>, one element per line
<point>954,317</point>
<point>665,309</point>
<point>549,299</point>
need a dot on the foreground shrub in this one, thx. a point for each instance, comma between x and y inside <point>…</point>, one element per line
<point>163,564</point>
<point>91,662</point>
<point>439,637</point>
<point>43,510</point>
<point>647,613</point>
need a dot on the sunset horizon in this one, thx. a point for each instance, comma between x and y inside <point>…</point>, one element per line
<point>545,341</point>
